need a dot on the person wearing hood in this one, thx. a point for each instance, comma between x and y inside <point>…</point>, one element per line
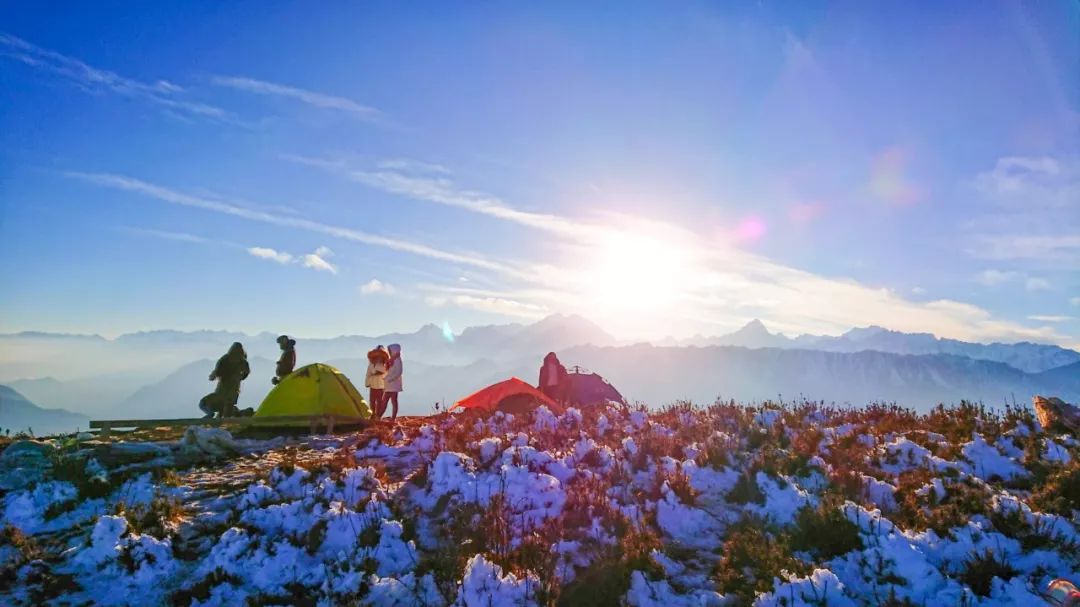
<point>394,374</point>
<point>230,370</point>
<point>375,379</point>
<point>287,362</point>
<point>553,377</point>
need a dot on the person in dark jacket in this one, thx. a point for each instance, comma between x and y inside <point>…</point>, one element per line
<point>553,377</point>
<point>229,371</point>
<point>287,362</point>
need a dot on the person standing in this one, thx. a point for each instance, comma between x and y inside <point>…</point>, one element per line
<point>375,379</point>
<point>393,385</point>
<point>287,361</point>
<point>230,370</point>
<point>553,377</point>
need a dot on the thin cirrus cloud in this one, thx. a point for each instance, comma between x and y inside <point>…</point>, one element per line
<point>707,282</point>
<point>163,93</point>
<point>1031,211</point>
<point>128,184</point>
<point>711,280</point>
<point>431,183</point>
<point>312,98</point>
<point>315,260</point>
<point>493,305</point>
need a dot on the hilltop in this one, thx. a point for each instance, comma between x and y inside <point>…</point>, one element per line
<point>763,505</point>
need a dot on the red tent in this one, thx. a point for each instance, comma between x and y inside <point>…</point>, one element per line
<point>507,395</point>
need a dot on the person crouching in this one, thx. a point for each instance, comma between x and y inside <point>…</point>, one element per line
<point>287,361</point>
<point>230,370</point>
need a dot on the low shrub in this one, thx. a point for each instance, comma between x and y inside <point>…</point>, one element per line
<point>751,557</point>
<point>824,531</point>
<point>980,570</point>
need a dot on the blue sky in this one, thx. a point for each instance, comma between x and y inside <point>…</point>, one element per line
<point>662,168</point>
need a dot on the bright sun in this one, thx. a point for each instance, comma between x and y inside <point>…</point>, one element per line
<point>634,276</point>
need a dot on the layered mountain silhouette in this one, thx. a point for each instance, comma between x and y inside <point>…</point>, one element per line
<point>18,414</point>
<point>1026,356</point>
<point>164,373</point>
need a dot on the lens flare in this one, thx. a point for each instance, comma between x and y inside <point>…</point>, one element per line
<point>889,178</point>
<point>750,229</point>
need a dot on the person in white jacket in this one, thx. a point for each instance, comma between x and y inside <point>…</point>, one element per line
<point>393,381</point>
<point>375,379</point>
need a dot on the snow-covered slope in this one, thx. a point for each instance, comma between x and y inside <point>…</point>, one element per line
<point>726,505</point>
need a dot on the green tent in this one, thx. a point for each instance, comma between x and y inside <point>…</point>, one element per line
<point>316,389</point>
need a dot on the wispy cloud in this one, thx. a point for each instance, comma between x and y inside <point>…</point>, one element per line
<point>128,184</point>
<point>377,287</point>
<point>317,260</point>
<point>166,235</point>
<point>312,98</point>
<point>643,273</point>
<point>1037,284</point>
<point>271,254</point>
<point>492,305</point>
<point>1050,247</point>
<point>1050,318</point>
<point>163,93</point>
<point>993,278</point>
<point>407,164</point>
<point>698,280</point>
<point>419,182</point>
<point>1031,211</point>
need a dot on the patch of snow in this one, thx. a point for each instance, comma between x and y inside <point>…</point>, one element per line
<point>821,588</point>
<point>484,585</point>
<point>988,463</point>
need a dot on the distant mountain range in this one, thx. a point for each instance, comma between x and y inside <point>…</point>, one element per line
<point>1026,356</point>
<point>163,373</point>
<point>18,414</point>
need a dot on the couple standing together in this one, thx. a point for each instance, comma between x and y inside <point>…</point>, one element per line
<point>383,379</point>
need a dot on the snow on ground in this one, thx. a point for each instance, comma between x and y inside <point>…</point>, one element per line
<point>616,504</point>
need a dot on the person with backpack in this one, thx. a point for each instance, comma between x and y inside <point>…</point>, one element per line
<point>393,385</point>
<point>375,379</point>
<point>287,361</point>
<point>230,370</point>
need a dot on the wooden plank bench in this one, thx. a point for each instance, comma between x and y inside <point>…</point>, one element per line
<point>106,426</point>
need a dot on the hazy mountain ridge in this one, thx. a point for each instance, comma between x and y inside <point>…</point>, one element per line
<point>19,414</point>
<point>167,372</point>
<point>1026,356</point>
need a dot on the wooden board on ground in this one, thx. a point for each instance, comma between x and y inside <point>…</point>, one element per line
<point>106,426</point>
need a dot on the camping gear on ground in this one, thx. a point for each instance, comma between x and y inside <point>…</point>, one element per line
<point>584,388</point>
<point>1053,410</point>
<point>315,389</point>
<point>287,362</point>
<point>1062,593</point>
<point>511,396</point>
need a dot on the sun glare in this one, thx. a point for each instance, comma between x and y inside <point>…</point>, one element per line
<point>634,275</point>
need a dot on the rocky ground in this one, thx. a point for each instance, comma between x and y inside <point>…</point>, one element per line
<point>763,505</point>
